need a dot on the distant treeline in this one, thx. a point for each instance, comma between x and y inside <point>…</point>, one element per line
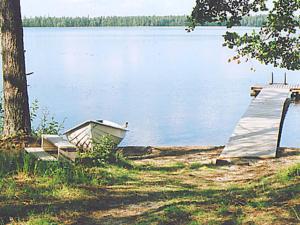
<point>253,21</point>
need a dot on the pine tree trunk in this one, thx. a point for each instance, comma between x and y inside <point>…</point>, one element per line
<point>16,106</point>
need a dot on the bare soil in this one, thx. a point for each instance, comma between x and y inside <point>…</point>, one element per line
<point>241,170</point>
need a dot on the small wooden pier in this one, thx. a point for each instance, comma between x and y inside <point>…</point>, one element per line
<point>258,133</point>
<point>54,145</point>
<point>40,154</point>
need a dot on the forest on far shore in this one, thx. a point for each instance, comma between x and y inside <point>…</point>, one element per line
<point>106,21</point>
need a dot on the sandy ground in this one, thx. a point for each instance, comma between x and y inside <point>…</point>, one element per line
<point>240,170</point>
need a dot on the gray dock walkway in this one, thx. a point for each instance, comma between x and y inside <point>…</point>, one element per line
<point>257,135</point>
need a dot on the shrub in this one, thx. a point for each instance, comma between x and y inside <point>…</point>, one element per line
<point>45,123</point>
<point>101,153</point>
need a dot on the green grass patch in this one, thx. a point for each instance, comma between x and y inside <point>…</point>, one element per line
<point>161,169</point>
<point>289,173</point>
<point>41,220</point>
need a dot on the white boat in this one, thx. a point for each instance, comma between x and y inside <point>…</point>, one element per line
<point>89,132</point>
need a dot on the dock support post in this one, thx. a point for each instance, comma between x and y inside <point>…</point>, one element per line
<point>285,82</point>
<point>272,79</point>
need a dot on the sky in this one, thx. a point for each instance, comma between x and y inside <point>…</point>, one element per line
<point>105,7</point>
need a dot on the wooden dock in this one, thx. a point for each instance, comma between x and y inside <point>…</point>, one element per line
<point>55,145</point>
<point>63,148</point>
<point>258,133</point>
<point>294,89</point>
<point>40,154</point>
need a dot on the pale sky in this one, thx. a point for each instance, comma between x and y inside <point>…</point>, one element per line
<point>105,7</point>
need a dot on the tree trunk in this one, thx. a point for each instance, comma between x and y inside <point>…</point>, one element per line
<point>16,106</point>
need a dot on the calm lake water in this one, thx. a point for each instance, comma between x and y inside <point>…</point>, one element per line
<point>173,87</point>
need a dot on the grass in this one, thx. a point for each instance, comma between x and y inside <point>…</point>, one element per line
<point>41,220</point>
<point>33,192</point>
<point>289,173</point>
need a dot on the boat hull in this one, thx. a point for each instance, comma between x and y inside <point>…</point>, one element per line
<point>92,132</point>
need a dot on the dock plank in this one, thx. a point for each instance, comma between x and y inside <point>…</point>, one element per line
<point>257,135</point>
<point>40,154</point>
<point>57,141</point>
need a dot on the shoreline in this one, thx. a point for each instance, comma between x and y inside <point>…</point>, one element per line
<point>197,153</point>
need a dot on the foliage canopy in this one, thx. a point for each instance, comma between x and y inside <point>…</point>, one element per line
<point>277,42</point>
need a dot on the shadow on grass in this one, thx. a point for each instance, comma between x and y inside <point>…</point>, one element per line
<point>175,167</point>
<point>195,166</point>
<point>285,194</point>
<point>207,200</point>
<point>162,169</point>
<point>166,183</point>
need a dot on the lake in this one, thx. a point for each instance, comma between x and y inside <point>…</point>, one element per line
<point>173,87</point>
